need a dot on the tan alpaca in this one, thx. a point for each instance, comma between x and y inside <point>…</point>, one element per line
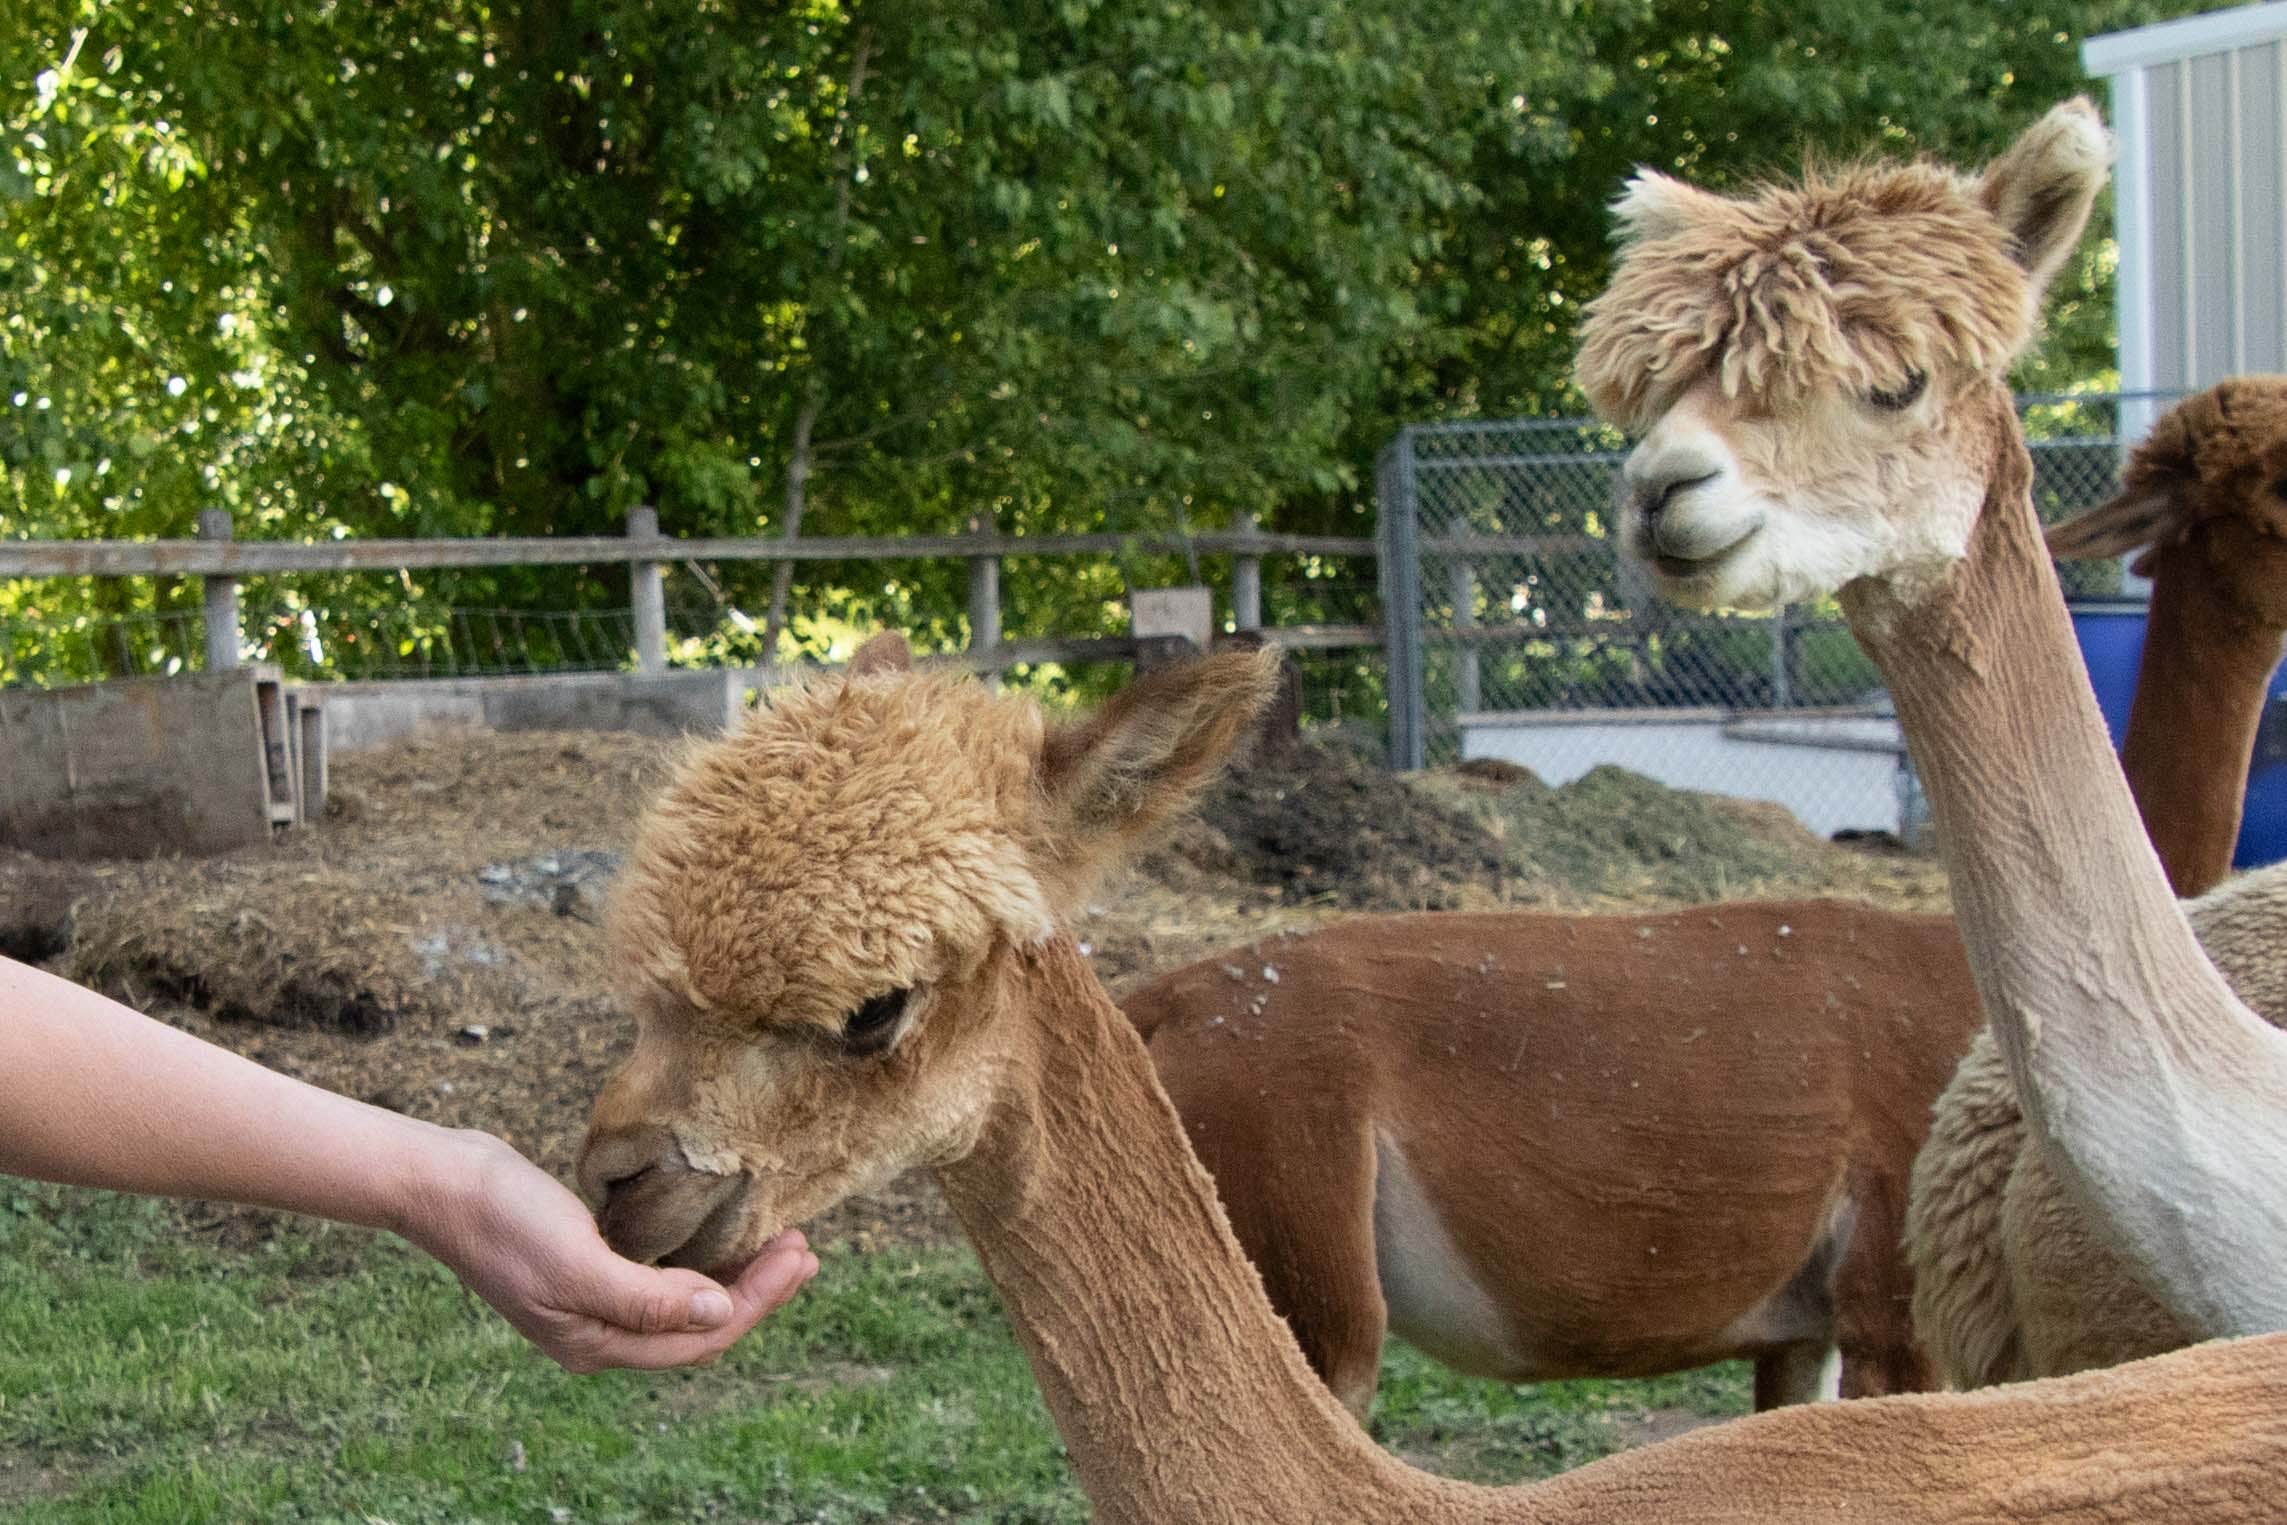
<point>1818,376</point>
<point>2009,1281</point>
<point>842,933</point>
<point>1540,1145</point>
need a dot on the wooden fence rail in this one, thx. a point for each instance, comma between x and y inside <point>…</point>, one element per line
<point>243,558</point>
<point>221,561</point>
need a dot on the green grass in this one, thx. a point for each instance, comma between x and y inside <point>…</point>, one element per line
<point>334,1377</point>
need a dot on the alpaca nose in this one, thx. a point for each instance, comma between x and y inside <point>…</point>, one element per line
<point>1677,456</point>
<point>1652,495</point>
<point>611,1158</point>
<point>648,1200</point>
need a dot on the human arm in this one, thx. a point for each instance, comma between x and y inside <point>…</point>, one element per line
<point>93,1094</point>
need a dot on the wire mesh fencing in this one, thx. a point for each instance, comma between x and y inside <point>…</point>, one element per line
<point>1517,630</point>
<point>351,642</point>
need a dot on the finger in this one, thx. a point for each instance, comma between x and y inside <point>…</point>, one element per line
<point>672,1299</point>
<point>762,1288</point>
<point>773,1278</point>
<point>755,1269</point>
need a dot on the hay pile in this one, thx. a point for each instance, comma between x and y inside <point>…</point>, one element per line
<point>1611,834</point>
<point>1329,828</point>
<point>1325,826</point>
<point>423,897</point>
<point>36,899</point>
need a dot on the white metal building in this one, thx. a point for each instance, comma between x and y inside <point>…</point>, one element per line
<point>2200,110</point>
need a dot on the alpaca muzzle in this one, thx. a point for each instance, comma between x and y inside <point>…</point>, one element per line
<point>652,1205</point>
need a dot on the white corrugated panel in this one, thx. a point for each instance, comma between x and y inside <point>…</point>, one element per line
<point>2200,108</point>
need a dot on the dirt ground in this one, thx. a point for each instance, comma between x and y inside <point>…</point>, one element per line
<point>434,945</point>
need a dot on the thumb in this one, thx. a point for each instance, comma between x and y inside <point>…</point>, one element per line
<point>647,1300</point>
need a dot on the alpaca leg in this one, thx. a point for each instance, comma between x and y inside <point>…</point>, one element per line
<point>1873,1299</point>
<point>1296,1179</point>
<point>1805,1373</point>
<point>1320,1273</point>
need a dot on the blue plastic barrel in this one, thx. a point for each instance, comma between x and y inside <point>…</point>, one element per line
<point>2111,633</point>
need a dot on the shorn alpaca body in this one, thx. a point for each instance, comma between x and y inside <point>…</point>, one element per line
<point>843,934</point>
<point>2009,1279</point>
<point>1544,1146</point>
<point>1818,375</point>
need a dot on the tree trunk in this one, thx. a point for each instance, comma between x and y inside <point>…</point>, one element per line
<point>799,458</point>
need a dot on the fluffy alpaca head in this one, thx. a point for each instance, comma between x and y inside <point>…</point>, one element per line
<point>2205,495</point>
<point>815,927</point>
<point>1815,369</point>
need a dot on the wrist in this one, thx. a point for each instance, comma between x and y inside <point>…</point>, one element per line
<point>435,1184</point>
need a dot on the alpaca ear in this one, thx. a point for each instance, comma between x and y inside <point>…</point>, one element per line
<point>1653,206</point>
<point>2141,516</point>
<point>1144,758</point>
<point>886,652</point>
<point>2041,189</point>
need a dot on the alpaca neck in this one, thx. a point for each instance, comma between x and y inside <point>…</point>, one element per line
<point>2157,1094</point>
<point>1180,1395</point>
<point>1183,1400</point>
<point>2191,732</point>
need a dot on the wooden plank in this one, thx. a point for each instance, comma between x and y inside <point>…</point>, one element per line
<point>1321,637</point>
<point>137,767</point>
<point>146,558</point>
<point>1126,648</point>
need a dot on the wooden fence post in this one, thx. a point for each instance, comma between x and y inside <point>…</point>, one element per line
<point>221,597</point>
<point>1247,584</point>
<point>313,760</point>
<point>984,597</point>
<point>647,592</point>
<point>1468,681</point>
<point>1782,675</point>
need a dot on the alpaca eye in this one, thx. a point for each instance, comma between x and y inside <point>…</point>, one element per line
<point>2279,488</point>
<point>1904,397</point>
<point>869,1029</point>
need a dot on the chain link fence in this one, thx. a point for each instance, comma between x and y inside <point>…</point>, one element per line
<point>1517,631</point>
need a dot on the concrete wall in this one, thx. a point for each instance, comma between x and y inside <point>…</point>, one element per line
<point>136,768</point>
<point>1833,772</point>
<point>361,715</point>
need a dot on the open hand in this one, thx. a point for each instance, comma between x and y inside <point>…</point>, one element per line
<point>521,1241</point>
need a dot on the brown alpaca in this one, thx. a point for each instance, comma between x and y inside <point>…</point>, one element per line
<point>1386,1042</point>
<point>842,933</point>
<point>1544,1146</point>
<point>2010,1281</point>
<point>2206,493</point>
<point>1818,377</point>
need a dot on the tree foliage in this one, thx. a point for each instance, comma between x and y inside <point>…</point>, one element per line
<point>447,267</point>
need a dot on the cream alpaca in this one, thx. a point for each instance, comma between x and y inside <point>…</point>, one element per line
<point>1900,481</point>
<point>2009,1280</point>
